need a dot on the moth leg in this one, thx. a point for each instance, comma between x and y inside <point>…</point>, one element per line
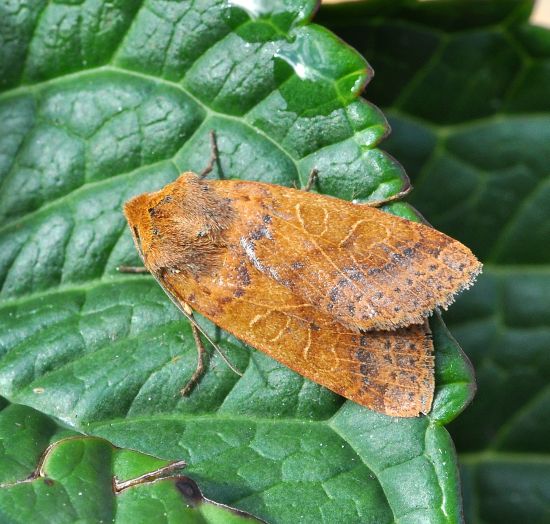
<point>393,198</point>
<point>199,370</point>
<point>214,155</point>
<point>132,269</point>
<point>312,179</point>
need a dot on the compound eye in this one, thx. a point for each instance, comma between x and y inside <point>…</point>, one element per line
<point>138,239</point>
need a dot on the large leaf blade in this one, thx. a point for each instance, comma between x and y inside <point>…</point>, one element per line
<point>106,353</point>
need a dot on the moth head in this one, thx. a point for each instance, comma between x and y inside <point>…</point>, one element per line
<point>139,221</point>
<point>173,227</point>
<point>147,215</point>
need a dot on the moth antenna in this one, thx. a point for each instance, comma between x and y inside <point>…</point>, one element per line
<point>195,324</point>
<point>387,200</point>
<point>226,360</point>
<point>199,370</point>
<point>312,179</point>
<point>132,269</point>
<point>214,155</point>
<point>175,301</point>
<point>196,327</point>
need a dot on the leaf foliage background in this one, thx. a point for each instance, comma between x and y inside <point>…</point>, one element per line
<point>102,101</point>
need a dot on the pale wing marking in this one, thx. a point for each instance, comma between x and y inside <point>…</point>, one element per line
<point>351,231</point>
<point>306,349</point>
<point>257,318</point>
<point>282,330</point>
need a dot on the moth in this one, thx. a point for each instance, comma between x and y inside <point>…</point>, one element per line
<point>339,292</point>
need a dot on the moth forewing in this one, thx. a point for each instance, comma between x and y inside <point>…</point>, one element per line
<point>364,267</point>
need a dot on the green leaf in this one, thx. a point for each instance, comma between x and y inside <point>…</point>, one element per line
<point>86,479</point>
<point>467,98</point>
<point>111,100</point>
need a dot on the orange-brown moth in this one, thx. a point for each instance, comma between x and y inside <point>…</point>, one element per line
<point>338,292</point>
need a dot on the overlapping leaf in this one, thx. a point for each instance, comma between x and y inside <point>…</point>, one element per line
<point>86,479</point>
